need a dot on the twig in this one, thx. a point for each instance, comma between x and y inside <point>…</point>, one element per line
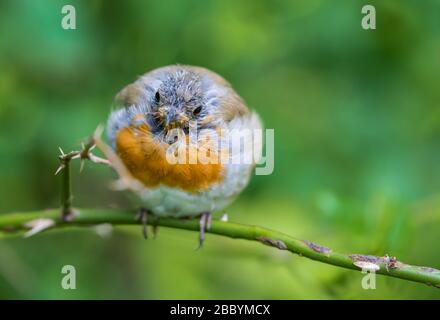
<point>66,186</point>
<point>388,266</point>
<point>67,212</point>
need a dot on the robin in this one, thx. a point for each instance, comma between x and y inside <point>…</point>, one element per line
<point>190,110</point>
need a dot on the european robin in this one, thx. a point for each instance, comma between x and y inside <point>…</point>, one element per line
<point>192,110</point>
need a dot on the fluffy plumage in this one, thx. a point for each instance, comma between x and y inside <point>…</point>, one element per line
<point>172,97</point>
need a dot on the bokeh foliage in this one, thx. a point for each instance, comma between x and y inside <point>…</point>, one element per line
<point>357,127</point>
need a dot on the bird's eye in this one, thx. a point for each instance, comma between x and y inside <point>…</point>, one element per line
<point>157,97</point>
<point>197,110</point>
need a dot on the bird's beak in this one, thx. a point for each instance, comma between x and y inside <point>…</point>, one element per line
<point>175,120</point>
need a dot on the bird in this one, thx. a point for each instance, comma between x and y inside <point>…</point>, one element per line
<point>197,105</point>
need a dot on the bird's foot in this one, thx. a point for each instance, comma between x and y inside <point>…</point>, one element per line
<point>205,225</point>
<point>142,216</point>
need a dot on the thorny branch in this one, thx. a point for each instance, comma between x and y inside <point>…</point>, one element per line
<point>67,212</point>
<point>50,219</point>
<point>389,266</point>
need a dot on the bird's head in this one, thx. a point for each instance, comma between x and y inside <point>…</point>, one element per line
<point>178,101</point>
<point>175,97</point>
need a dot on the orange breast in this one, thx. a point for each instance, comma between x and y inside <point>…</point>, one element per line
<point>145,158</point>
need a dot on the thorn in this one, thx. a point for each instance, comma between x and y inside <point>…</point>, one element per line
<point>62,152</point>
<point>37,226</point>
<point>98,131</point>
<point>61,167</point>
<point>81,165</point>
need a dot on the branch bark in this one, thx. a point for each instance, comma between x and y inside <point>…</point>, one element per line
<point>388,266</point>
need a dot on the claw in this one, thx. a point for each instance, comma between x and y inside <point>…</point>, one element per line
<point>143,217</point>
<point>205,225</point>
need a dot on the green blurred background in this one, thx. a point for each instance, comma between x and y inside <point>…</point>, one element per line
<point>357,129</point>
